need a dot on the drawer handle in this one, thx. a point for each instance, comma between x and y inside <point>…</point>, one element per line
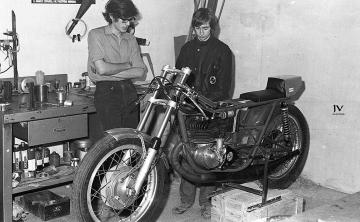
<point>59,130</point>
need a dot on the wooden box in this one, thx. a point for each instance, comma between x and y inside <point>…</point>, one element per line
<point>241,206</point>
<point>46,204</point>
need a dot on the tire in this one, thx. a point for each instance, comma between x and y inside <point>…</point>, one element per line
<point>102,176</point>
<point>284,175</point>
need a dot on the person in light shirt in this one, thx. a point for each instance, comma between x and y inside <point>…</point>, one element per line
<point>113,61</point>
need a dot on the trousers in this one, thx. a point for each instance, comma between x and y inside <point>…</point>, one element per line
<point>188,193</point>
<point>115,104</point>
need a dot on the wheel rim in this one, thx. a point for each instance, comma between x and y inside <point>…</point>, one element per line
<point>296,137</point>
<point>107,196</point>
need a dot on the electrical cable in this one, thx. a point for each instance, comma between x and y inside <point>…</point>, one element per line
<point>78,36</point>
<point>8,54</point>
<point>6,69</point>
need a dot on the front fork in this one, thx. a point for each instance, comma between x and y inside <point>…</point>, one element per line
<point>156,141</point>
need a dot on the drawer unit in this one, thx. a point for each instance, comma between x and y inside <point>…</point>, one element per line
<point>52,130</point>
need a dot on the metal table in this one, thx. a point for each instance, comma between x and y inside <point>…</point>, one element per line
<point>19,112</point>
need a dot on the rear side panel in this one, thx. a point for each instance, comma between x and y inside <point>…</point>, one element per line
<point>256,116</point>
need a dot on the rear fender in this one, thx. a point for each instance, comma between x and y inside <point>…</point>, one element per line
<point>125,133</point>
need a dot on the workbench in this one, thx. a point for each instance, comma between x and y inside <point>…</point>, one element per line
<point>20,112</point>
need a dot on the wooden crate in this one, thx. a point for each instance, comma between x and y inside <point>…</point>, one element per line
<point>241,206</point>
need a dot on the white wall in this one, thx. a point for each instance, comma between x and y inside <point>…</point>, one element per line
<point>45,46</point>
<point>318,40</point>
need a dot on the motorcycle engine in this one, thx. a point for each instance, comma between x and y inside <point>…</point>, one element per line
<point>207,152</point>
<point>209,155</point>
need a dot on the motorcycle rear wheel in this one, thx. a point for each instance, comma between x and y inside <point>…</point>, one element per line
<point>100,184</point>
<point>284,175</point>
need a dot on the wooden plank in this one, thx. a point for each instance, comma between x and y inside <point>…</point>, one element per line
<point>344,209</point>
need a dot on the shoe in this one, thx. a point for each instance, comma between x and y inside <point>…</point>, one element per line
<point>206,211</point>
<point>182,208</point>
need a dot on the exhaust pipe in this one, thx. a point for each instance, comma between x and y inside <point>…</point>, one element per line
<point>249,174</point>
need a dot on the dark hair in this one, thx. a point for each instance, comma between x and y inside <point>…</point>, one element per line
<point>202,16</point>
<point>123,9</point>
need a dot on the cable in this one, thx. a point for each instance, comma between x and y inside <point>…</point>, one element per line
<point>78,36</point>
<point>8,54</point>
<point>6,69</point>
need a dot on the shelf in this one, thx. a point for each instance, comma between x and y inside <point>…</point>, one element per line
<point>45,183</point>
<point>64,175</point>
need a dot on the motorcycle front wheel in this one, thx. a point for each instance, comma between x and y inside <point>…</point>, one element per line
<point>102,186</point>
<point>286,173</point>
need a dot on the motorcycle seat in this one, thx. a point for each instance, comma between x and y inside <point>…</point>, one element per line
<point>262,95</point>
<point>276,88</point>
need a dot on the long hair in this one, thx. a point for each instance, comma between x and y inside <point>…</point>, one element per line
<point>123,9</point>
<point>202,16</point>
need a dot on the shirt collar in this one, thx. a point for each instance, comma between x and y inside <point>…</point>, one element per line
<point>109,31</point>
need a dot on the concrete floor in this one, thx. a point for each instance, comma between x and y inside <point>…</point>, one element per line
<point>313,194</point>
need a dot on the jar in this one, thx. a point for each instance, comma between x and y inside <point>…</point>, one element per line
<point>55,159</point>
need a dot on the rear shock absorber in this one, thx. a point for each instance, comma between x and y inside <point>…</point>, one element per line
<point>285,121</point>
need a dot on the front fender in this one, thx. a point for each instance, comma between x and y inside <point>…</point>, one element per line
<point>123,133</point>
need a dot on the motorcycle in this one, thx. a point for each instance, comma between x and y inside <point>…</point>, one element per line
<point>259,136</point>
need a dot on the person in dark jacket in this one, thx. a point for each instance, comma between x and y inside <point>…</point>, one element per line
<point>209,58</point>
<point>211,62</point>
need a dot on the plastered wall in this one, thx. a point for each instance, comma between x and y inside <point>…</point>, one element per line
<point>318,40</point>
<point>45,46</point>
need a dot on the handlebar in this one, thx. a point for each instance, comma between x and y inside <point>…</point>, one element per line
<point>166,83</point>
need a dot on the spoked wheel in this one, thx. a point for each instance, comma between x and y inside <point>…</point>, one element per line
<point>104,184</point>
<point>286,173</point>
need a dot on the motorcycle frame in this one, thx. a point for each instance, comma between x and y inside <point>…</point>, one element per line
<point>171,106</point>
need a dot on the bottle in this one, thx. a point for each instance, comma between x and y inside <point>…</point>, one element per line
<point>24,156</point>
<point>31,159</point>
<point>39,159</point>
<point>17,157</point>
<point>46,156</point>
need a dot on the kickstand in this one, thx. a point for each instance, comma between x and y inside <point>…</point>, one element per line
<point>263,193</point>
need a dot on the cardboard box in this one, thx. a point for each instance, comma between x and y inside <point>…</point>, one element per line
<point>46,204</point>
<point>241,206</point>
